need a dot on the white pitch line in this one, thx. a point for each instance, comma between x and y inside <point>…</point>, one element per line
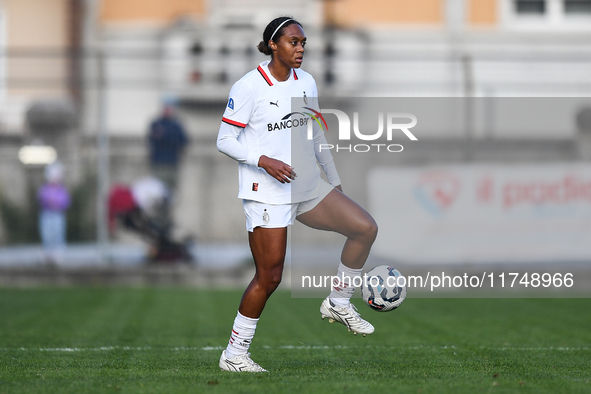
<point>560,348</point>
<point>451,347</point>
<point>290,347</point>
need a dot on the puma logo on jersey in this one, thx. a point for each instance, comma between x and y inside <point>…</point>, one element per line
<point>276,103</point>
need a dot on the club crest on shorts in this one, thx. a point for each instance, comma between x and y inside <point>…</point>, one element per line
<point>305,99</point>
<point>265,217</point>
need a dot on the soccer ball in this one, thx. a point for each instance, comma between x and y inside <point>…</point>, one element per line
<point>383,288</point>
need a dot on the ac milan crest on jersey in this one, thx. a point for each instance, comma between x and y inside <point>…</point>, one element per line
<point>255,187</point>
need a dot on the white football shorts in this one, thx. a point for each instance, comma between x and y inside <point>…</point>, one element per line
<point>260,214</point>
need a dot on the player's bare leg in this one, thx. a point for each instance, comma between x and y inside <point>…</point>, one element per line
<point>268,247</point>
<point>337,212</point>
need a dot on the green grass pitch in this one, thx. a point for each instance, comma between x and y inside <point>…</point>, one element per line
<point>157,340</point>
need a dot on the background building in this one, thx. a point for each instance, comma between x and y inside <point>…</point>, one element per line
<point>115,61</point>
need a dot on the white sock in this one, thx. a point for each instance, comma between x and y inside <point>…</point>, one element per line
<point>241,337</point>
<point>342,288</point>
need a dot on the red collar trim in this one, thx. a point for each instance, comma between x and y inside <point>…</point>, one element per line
<point>268,80</point>
<point>264,75</point>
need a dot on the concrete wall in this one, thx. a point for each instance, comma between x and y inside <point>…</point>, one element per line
<point>159,12</point>
<point>359,13</point>
<point>482,13</point>
<point>37,25</point>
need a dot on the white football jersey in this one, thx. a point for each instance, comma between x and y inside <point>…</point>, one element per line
<point>262,107</point>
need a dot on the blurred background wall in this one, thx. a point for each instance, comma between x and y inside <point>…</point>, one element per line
<point>73,69</point>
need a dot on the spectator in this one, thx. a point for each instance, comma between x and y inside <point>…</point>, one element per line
<point>167,140</point>
<point>54,199</point>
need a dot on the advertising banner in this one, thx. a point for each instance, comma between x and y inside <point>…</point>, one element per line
<point>483,213</point>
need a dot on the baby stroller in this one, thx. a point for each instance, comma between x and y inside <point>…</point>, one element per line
<point>143,208</point>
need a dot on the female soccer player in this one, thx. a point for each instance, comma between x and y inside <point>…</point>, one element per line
<point>255,132</point>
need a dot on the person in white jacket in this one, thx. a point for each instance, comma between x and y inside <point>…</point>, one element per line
<point>270,140</point>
